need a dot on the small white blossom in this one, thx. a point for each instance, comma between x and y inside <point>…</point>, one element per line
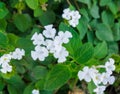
<point>71,16</point>
<point>100,89</point>
<point>49,31</point>
<point>40,53</point>
<point>51,46</point>
<point>34,36</point>
<point>97,78</point>
<point>18,53</point>
<point>61,53</point>
<point>66,14</point>
<point>75,15</point>
<point>107,78</point>
<point>73,22</point>
<point>63,37</point>
<point>38,39</point>
<point>111,80</point>
<point>5,58</point>
<point>85,74</point>
<point>109,65</point>
<point>35,91</point>
<point>34,55</point>
<point>6,68</point>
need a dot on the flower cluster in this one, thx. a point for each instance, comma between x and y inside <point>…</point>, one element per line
<point>71,16</point>
<point>35,91</point>
<point>48,42</point>
<point>101,80</point>
<point>6,58</point>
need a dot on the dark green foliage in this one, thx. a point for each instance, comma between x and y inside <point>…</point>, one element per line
<point>96,37</point>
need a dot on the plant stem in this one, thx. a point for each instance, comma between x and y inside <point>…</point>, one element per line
<point>76,4</point>
<point>69,2</point>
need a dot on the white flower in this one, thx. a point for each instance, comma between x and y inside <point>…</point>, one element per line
<point>110,65</point>
<point>75,15</point>
<point>111,80</point>
<point>85,74</point>
<point>61,53</point>
<point>100,89</point>
<point>34,36</point>
<point>101,80</point>
<point>51,46</point>
<point>18,53</point>
<point>73,22</point>
<point>38,39</point>
<point>6,68</point>
<point>34,55</point>
<point>96,78</point>
<point>63,37</point>
<point>35,91</point>
<point>107,78</point>
<point>49,31</point>
<point>66,14</point>
<point>71,16</point>
<point>5,58</point>
<point>40,53</point>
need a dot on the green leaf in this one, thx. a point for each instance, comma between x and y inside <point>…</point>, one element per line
<point>104,2</point>
<point>94,11</point>
<point>3,40</point>
<point>3,10</point>
<point>22,22</point>
<point>82,27</point>
<point>43,1</point>
<point>22,42</point>
<point>84,53</point>
<point>16,82</point>
<point>93,24</point>
<point>46,92</point>
<point>33,4</point>
<point>90,36</point>
<point>2,84</point>
<point>91,87</point>
<point>28,89</point>
<point>107,18</point>
<point>47,17</point>
<point>116,31</point>
<point>84,13</point>
<point>113,48</point>
<point>88,2</point>
<point>57,77</point>
<point>39,72</point>
<point>101,50</point>
<point>74,42</point>
<point>40,84</point>
<point>12,38</point>
<point>116,57</point>
<point>38,12</point>
<point>18,66</point>
<point>104,33</point>
<point>3,25</point>
<point>112,6</point>
<point>12,90</point>
<point>92,62</point>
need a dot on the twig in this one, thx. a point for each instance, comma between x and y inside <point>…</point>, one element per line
<point>76,4</point>
<point>69,2</point>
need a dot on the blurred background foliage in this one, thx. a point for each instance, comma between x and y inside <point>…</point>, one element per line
<point>19,19</point>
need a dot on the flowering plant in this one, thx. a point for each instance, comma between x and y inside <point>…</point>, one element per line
<point>59,46</point>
